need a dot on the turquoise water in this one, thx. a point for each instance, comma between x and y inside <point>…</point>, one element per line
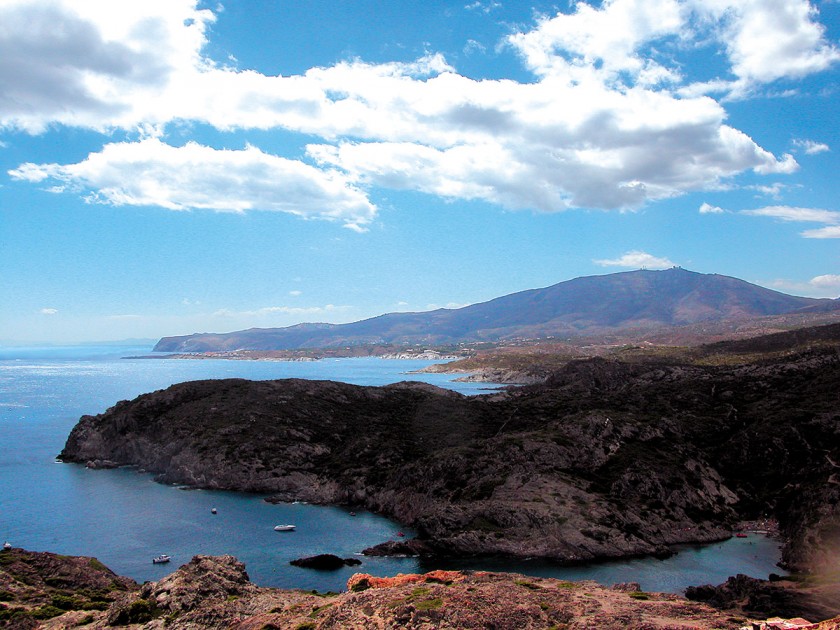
<point>123,518</point>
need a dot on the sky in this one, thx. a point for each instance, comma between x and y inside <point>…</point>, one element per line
<point>178,166</point>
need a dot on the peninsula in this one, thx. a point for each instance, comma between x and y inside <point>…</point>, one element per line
<point>606,458</point>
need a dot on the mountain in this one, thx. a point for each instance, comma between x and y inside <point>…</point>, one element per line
<point>583,306</point>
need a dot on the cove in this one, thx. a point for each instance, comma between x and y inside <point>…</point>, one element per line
<point>124,518</point>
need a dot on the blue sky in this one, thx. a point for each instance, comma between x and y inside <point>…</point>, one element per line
<point>173,166</point>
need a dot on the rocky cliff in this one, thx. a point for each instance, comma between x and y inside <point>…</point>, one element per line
<point>604,459</point>
<point>215,592</point>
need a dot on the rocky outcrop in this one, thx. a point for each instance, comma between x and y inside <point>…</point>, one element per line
<point>605,459</point>
<point>779,597</point>
<point>214,592</point>
<point>35,587</point>
<point>325,562</point>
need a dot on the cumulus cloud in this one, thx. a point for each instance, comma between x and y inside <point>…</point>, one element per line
<point>603,41</point>
<point>85,63</point>
<point>152,173</point>
<point>810,147</point>
<point>763,40</point>
<point>637,260</point>
<point>768,40</point>
<point>706,208</point>
<point>827,281</point>
<point>48,311</point>
<point>605,124</point>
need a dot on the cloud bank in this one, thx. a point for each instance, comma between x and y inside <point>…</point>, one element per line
<point>610,121</point>
<point>151,173</point>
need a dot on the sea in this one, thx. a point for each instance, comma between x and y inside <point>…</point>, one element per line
<point>124,518</point>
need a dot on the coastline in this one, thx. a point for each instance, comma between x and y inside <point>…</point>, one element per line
<point>301,355</point>
<point>214,591</point>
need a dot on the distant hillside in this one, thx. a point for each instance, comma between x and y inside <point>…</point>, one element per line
<point>583,306</point>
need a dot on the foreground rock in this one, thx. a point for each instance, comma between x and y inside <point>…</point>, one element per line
<point>325,562</point>
<point>214,592</point>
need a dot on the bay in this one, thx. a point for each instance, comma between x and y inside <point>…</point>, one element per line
<point>123,518</point>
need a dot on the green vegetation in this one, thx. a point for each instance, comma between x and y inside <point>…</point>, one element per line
<point>639,595</point>
<point>318,610</point>
<point>139,611</point>
<point>46,612</point>
<point>429,604</point>
<point>361,585</point>
<point>96,564</point>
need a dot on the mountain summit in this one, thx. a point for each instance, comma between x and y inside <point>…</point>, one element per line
<point>582,306</point>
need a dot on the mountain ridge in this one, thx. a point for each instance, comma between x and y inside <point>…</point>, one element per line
<point>578,307</point>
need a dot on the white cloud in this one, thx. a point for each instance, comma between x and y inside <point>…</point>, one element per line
<point>636,259</point>
<point>830,231</point>
<point>151,173</point>
<point>810,147</point>
<point>772,190</point>
<point>572,45</point>
<point>706,208</point>
<point>807,215</point>
<point>767,40</point>
<point>824,286</point>
<point>48,311</point>
<point>93,63</point>
<point>763,40</point>
<point>601,128</point>
<point>281,310</point>
<point>295,293</point>
<point>484,7</point>
<point>827,281</point>
<point>788,213</point>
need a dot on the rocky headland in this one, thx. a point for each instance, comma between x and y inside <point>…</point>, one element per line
<point>606,458</point>
<point>43,590</point>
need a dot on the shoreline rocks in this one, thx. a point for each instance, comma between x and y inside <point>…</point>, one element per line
<point>215,592</point>
<point>325,562</point>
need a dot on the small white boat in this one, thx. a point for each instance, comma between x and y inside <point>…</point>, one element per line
<point>284,528</point>
<point>161,559</point>
<point>213,510</point>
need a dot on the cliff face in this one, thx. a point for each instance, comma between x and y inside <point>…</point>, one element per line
<point>215,592</point>
<point>605,459</point>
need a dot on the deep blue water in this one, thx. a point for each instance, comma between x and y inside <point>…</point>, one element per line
<point>123,518</point>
